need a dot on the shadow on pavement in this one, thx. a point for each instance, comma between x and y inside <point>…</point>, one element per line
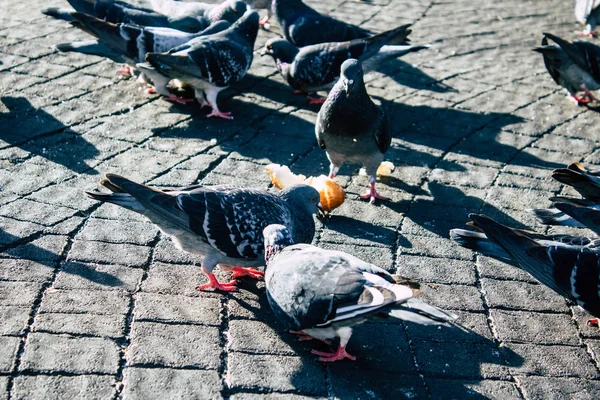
<point>407,75</point>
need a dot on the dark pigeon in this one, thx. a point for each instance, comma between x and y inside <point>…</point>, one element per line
<point>222,223</point>
<point>351,128</point>
<point>130,42</point>
<point>317,67</point>
<point>571,271</point>
<point>323,294</point>
<point>573,65</point>
<point>207,13</point>
<point>304,26</point>
<point>211,63</point>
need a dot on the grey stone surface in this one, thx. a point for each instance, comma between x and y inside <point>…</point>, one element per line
<point>478,126</point>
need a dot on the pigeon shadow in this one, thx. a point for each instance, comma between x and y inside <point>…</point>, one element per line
<point>23,123</point>
<point>12,249</point>
<point>384,369</point>
<point>407,75</point>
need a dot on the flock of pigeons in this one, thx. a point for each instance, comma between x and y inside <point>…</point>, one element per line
<point>316,293</point>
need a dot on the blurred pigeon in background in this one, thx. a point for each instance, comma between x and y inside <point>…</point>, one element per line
<point>587,13</point>
<point>573,65</point>
<point>317,67</point>
<point>222,223</point>
<point>211,63</point>
<point>351,128</point>
<point>325,293</point>
<point>207,13</point>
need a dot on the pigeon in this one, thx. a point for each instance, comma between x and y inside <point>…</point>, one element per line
<point>118,11</point>
<point>261,5</point>
<point>211,63</point>
<point>479,242</point>
<point>587,12</point>
<point>323,294</point>
<point>222,223</point>
<point>573,65</point>
<point>571,271</point>
<point>351,128</point>
<point>586,182</point>
<point>317,67</point>
<point>207,13</point>
<point>559,213</point>
<point>304,26</point>
<point>129,42</point>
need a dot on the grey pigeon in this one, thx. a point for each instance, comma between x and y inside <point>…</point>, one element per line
<point>571,271</point>
<point>261,5</point>
<point>304,26</point>
<point>323,294</point>
<point>222,223</point>
<point>207,13</point>
<point>118,11</point>
<point>211,63</point>
<point>584,181</point>
<point>573,65</point>
<point>587,12</point>
<point>317,67</point>
<point>129,42</point>
<point>351,128</point>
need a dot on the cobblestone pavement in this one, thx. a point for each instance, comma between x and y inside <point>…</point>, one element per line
<point>95,303</point>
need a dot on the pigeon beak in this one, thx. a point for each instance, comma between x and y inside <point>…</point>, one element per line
<point>348,84</point>
<point>264,52</point>
<point>322,214</point>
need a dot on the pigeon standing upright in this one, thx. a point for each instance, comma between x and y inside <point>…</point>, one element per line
<point>323,294</point>
<point>587,13</point>
<point>211,63</point>
<point>303,25</point>
<point>571,271</point>
<point>222,223</point>
<point>118,11</point>
<point>317,67</point>
<point>573,65</point>
<point>351,128</point>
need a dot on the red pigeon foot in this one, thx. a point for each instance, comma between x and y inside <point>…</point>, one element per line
<point>215,284</point>
<point>372,195</point>
<point>340,354</point>
<point>251,272</point>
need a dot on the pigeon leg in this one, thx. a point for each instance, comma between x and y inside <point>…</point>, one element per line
<point>151,90</point>
<point>251,272</point>
<point>211,97</point>
<point>372,193</point>
<point>333,170</point>
<point>177,99</point>
<point>315,99</point>
<point>213,283</point>
<point>302,337</point>
<point>125,71</point>
<point>264,22</point>
<point>339,354</point>
<point>587,94</point>
<point>593,322</point>
<point>578,100</point>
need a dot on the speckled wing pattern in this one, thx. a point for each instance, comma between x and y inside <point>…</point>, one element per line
<point>232,219</point>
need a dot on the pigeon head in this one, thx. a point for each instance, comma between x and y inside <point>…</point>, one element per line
<point>280,49</point>
<point>186,24</point>
<point>351,75</point>
<point>305,201</point>
<point>230,11</point>
<point>247,26</point>
<point>277,237</point>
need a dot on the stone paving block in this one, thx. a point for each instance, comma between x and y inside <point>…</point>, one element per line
<point>166,251</point>
<point>38,387</point>
<point>84,301</point>
<point>113,231</point>
<point>459,297</point>
<point>519,199</point>
<point>422,225</point>
<point>539,387</point>
<point>276,373</point>
<point>182,309</point>
<point>174,345</point>
<point>530,327</point>
<point>45,249</point>
<point>25,270</point>
<point>84,355</point>
<point>13,230</point>
<point>343,230</point>
<point>511,180</point>
<point>145,383</point>
<point>102,252</point>
<point>13,320</point>
<point>468,361</point>
<point>173,279</point>
<point>470,327</point>
<point>454,174</point>
<point>111,211</point>
<point>249,305</point>
<point>111,326</point>
<point>464,389</point>
<point>432,247</point>
<point>522,296</point>
<point>380,256</point>
<point>76,275</point>
<point>4,387</point>
<point>21,294</point>
<point>257,337</point>
<point>273,396</point>
<point>567,361</point>
<point>348,381</point>
<point>436,270</point>
<point>9,346</point>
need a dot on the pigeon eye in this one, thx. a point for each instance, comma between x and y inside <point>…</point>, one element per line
<point>270,47</point>
<point>359,73</point>
<point>314,198</point>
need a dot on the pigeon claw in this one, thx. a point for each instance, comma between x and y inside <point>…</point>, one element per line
<point>251,272</point>
<point>264,22</point>
<point>219,114</point>
<point>593,322</point>
<point>215,284</point>
<point>315,100</point>
<point>151,90</point>
<point>372,194</point>
<point>340,354</point>
<point>125,71</point>
<point>177,99</point>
